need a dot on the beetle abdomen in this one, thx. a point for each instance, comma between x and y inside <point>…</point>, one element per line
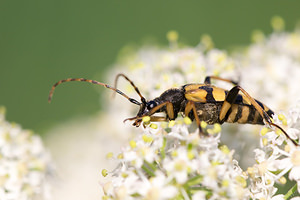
<point>238,113</point>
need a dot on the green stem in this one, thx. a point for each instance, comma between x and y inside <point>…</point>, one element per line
<point>162,150</point>
<point>194,181</point>
<point>150,165</point>
<point>148,171</point>
<point>291,191</point>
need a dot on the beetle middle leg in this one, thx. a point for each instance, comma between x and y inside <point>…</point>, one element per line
<point>190,106</point>
<point>230,100</point>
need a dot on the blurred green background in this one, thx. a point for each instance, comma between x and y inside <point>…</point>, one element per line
<point>42,42</point>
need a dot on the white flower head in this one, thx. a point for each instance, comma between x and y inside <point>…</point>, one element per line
<point>200,167</point>
<point>24,163</point>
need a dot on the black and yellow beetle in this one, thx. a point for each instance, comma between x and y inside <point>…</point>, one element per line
<point>200,102</point>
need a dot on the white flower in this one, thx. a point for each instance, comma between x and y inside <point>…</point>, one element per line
<point>24,163</point>
<point>184,158</point>
<point>179,165</point>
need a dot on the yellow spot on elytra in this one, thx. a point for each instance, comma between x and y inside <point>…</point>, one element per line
<point>218,94</point>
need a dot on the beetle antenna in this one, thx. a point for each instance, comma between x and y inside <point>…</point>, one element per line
<point>132,84</point>
<point>93,82</point>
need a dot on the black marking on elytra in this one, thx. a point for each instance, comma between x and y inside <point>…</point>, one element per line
<point>239,99</point>
<point>226,116</point>
<point>232,95</point>
<point>209,96</point>
<point>251,115</point>
<point>239,113</point>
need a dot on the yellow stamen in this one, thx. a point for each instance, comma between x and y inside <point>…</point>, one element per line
<point>172,36</point>
<point>132,144</point>
<point>154,126</point>
<point>187,120</point>
<point>109,155</point>
<point>264,131</point>
<point>171,123</point>
<point>104,172</point>
<point>147,139</point>
<point>146,119</point>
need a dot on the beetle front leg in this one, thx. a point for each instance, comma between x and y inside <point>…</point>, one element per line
<point>169,111</point>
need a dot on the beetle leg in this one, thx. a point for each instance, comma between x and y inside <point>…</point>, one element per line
<point>190,106</point>
<point>208,78</point>
<point>230,99</point>
<point>169,110</point>
<point>158,119</point>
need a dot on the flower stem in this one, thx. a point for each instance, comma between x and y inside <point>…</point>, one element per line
<point>291,191</point>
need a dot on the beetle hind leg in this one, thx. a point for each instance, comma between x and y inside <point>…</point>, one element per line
<point>208,80</point>
<point>229,102</point>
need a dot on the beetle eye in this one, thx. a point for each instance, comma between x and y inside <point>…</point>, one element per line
<point>151,104</point>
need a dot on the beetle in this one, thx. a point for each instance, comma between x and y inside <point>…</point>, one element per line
<point>200,102</point>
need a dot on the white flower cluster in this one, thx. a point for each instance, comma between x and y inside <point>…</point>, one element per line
<point>271,69</point>
<point>24,163</point>
<point>174,163</point>
<point>277,157</point>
